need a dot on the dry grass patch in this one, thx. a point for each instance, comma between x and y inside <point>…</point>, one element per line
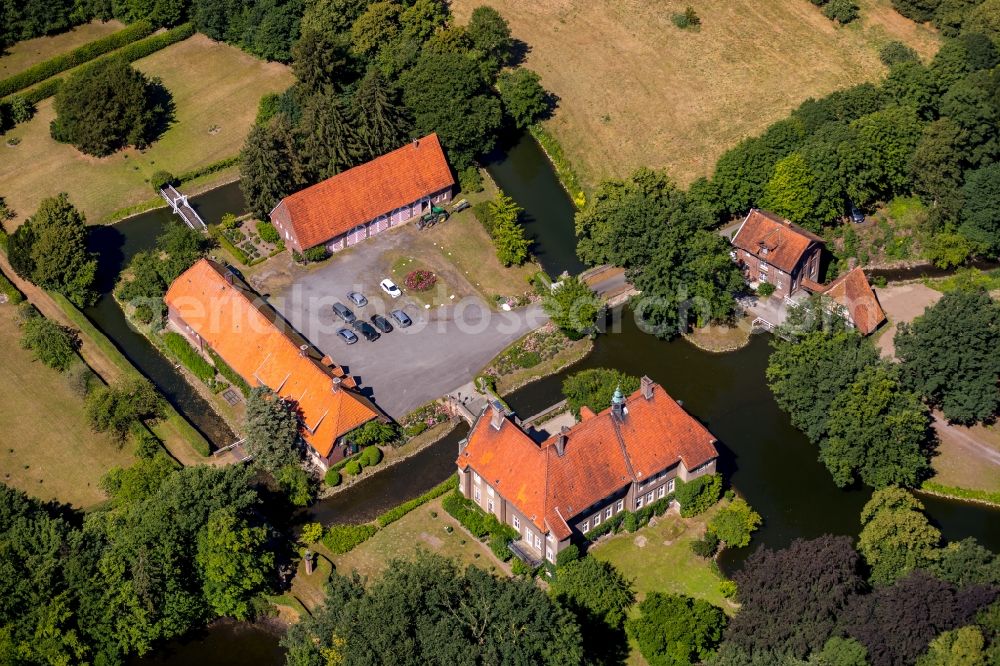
<point>23,55</point>
<point>636,91</point>
<point>215,88</point>
<point>48,449</point>
<point>417,530</point>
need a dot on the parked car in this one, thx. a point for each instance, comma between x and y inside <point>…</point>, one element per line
<point>389,287</point>
<point>357,298</point>
<point>857,217</point>
<point>401,318</point>
<point>366,330</point>
<point>344,312</point>
<point>347,335</point>
<point>381,323</point>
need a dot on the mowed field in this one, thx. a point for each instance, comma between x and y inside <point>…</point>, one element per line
<point>215,88</point>
<point>23,55</point>
<point>47,449</point>
<point>634,90</point>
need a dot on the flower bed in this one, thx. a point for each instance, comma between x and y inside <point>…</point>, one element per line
<point>250,242</point>
<point>539,346</point>
<point>423,418</point>
<point>420,280</point>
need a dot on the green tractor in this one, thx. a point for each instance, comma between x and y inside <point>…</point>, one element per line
<point>436,214</point>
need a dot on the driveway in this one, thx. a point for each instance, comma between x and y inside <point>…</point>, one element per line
<point>902,302</point>
<point>443,349</point>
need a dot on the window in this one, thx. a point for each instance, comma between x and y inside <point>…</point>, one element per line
<point>661,491</point>
<point>551,556</point>
<point>538,542</point>
<point>621,505</point>
<point>489,491</point>
<point>670,485</point>
<point>476,478</point>
<point>638,503</point>
<point>763,276</point>
<point>517,523</point>
<point>477,495</point>
<point>597,520</point>
<point>585,527</point>
<point>649,497</point>
<point>489,506</point>
<point>528,538</point>
<point>608,512</point>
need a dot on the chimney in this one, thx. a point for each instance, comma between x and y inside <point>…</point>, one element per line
<point>335,384</point>
<point>618,404</point>
<point>497,414</point>
<point>646,384</point>
<point>561,441</point>
<point>416,143</point>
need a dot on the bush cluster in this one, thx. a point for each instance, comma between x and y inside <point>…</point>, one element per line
<point>7,288</point>
<point>187,355</point>
<point>352,468</point>
<point>630,521</point>
<point>233,377</point>
<point>77,56</point>
<point>370,456</point>
<point>332,478</point>
<point>420,280</point>
<point>267,232</point>
<point>705,546</point>
<point>342,538</point>
<point>698,495</point>
<point>480,523</point>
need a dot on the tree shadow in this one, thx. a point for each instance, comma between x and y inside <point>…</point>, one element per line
<point>519,51</point>
<point>162,108</point>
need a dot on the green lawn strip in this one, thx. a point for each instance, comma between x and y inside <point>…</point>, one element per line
<point>129,53</point>
<point>78,56</point>
<point>289,600</point>
<point>564,169</point>
<point>173,421</point>
<point>983,496</point>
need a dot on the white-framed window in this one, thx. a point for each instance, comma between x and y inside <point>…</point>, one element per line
<point>476,478</point>
<point>661,491</point>
<point>530,536</point>
<point>621,506</point>
<point>597,520</point>
<point>489,491</point>
<point>670,485</point>
<point>649,497</point>
<point>489,506</point>
<point>538,542</point>
<point>607,512</point>
<point>517,523</point>
<point>638,503</point>
<point>585,527</point>
<point>476,495</point>
<point>551,555</point>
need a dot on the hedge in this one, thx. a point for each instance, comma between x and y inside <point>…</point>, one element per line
<point>207,169</point>
<point>564,169</point>
<point>332,478</point>
<point>186,354</point>
<point>221,239</point>
<point>370,456</point>
<point>477,521</point>
<point>13,293</point>
<point>698,495</point>
<point>353,468</point>
<point>234,377</point>
<point>630,521</point>
<point>43,91</point>
<point>77,56</point>
<point>342,538</point>
<point>394,514</point>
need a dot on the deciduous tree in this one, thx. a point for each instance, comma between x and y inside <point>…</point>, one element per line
<point>595,387</point>
<point>896,536</point>
<point>676,630</point>
<point>523,97</point>
<point>981,207</point>
<point>52,344</point>
<point>234,563</point>
<point>734,523</point>
<point>573,306</point>
<point>599,596</point>
<point>490,37</point>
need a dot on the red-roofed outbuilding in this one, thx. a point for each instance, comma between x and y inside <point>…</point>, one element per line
<point>351,206</point>
<point>623,458</point>
<point>771,249</point>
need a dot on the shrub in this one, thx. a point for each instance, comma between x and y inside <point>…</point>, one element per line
<point>81,379</point>
<point>765,289</point>
<point>420,280</point>
<point>705,546</point>
<point>21,109</point>
<point>77,56</point>
<point>687,19</point>
<point>371,456</point>
<point>520,568</point>
<point>352,468</point>
<point>498,544</point>
<point>267,232</point>
<point>841,11</point>
<point>231,375</point>
<point>735,523</point>
<point>7,288</point>
<point>311,533</point>
<point>343,538</point>
<point>896,52</point>
<point>470,180</point>
<point>189,356</point>
<point>630,523</point>
<point>161,179</point>
<point>570,553</point>
<point>147,446</point>
<point>52,344</point>
<point>698,495</point>
<point>482,212</point>
<point>415,429</point>
<point>728,589</point>
<point>318,253</point>
<point>332,478</point>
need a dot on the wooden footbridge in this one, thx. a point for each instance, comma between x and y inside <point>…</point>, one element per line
<point>179,202</point>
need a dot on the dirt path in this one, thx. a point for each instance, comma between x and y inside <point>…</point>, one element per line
<point>962,437</point>
<point>902,302</point>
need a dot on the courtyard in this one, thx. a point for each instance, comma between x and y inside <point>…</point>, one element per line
<point>455,331</point>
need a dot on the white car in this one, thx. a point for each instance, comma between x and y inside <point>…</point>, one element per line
<point>389,287</point>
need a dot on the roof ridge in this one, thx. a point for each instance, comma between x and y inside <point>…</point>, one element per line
<point>621,443</point>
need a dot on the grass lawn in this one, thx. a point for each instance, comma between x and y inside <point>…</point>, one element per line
<point>215,88</point>
<point>23,55</point>
<point>414,531</point>
<point>658,558</point>
<point>49,450</point>
<point>634,90</point>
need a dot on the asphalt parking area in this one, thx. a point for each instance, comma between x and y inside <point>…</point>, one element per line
<point>408,367</point>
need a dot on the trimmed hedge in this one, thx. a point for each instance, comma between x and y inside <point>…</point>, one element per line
<point>216,233</point>
<point>231,375</point>
<point>477,521</point>
<point>370,456</point>
<point>332,478</point>
<point>353,468</point>
<point>394,514</point>
<point>208,169</point>
<point>43,91</point>
<point>13,293</point>
<point>77,56</point>
<point>186,354</point>
<point>342,538</point>
<point>698,495</point>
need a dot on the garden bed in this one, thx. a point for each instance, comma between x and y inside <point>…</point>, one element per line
<point>250,241</point>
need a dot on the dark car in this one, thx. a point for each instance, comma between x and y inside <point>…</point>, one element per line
<point>366,330</point>
<point>347,335</point>
<point>381,323</point>
<point>857,217</point>
<point>357,298</point>
<point>344,312</point>
<point>401,318</point>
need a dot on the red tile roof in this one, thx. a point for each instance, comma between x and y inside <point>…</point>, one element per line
<point>353,197</point>
<point>854,293</point>
<point>252,339</point>
<point>602,455</point>
<point>773,239</point>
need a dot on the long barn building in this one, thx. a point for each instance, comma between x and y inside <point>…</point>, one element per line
<point>358,203</point>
